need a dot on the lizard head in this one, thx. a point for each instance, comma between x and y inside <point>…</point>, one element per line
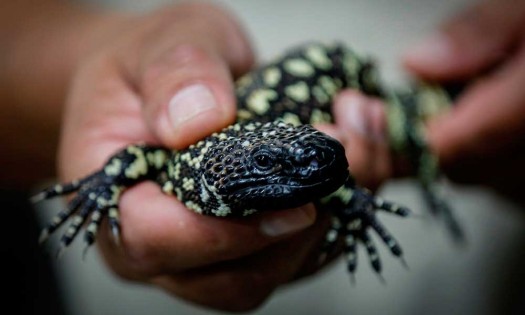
<point>273,166</point>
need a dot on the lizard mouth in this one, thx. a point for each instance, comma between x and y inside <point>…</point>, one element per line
<point>284,195</point>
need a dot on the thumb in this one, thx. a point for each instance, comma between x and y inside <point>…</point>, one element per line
<point>184,74</point>
<point>469,43</point>
<point>188,94</point>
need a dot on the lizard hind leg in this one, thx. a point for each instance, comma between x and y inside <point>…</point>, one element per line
<point>98,194</point>
<point>72,206</point>
<point>429,174</point>
<point>61,189</point>
<point>76,223</point>
<point>59,219</point>
<point>96,197</point>
<point>92,203</point>
<point>440,208</point>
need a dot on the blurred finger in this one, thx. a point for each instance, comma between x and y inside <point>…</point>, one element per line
<point>362,121</point>
<point>185,80</point>
<point>243,284</point>
<point>487,119</point>
<point>160,235</point>
<point>469,43</point>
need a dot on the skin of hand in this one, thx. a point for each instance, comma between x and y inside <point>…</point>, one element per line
<point>166,78</point>
<point>482,139</point>
<point>41,43</point>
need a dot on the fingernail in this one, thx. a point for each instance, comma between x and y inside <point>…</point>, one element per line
<point>365,117</point>
<point>434,50</point>
<point>289,221</point>
<point>354,116</point>
<point>357,115</point>
<point>190,102</point>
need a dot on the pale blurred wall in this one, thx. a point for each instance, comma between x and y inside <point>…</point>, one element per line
<point>483,277</point>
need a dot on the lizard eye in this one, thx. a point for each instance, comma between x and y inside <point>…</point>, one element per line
<point>263,161</point>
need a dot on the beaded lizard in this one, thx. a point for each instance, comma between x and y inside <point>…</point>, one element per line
<point>270,159</point>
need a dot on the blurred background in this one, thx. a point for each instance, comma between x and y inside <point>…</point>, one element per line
<point>483,276</point>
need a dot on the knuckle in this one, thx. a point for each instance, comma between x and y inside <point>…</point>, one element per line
<point>221,31</point>
<point>186,54</point>
<point>125,265</point>
<point>123,273</point>
<point>226,290</point>
<point>137,270</point>
<point>177,65</point>
<point>241,292</point>
<point>220,244</point>
<point>142,256</point>
<point>233,241</point>
<point>189,9</point>
<point>217,244</point>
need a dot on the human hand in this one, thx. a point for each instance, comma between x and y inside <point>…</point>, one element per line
<point>482,139</point>
<point>166,78</point>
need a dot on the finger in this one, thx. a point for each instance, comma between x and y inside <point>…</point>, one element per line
<point>243,284</point>
<point>487,120</point>
<point>470,42</point>
<point>186,80</point>
<point>355,112</point>
<point>160,235</point>
<point>362,121</point>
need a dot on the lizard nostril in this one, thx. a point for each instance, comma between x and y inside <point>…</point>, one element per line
<point>314,163</point>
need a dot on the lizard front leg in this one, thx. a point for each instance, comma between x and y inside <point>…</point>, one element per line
<point>354,214</point>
